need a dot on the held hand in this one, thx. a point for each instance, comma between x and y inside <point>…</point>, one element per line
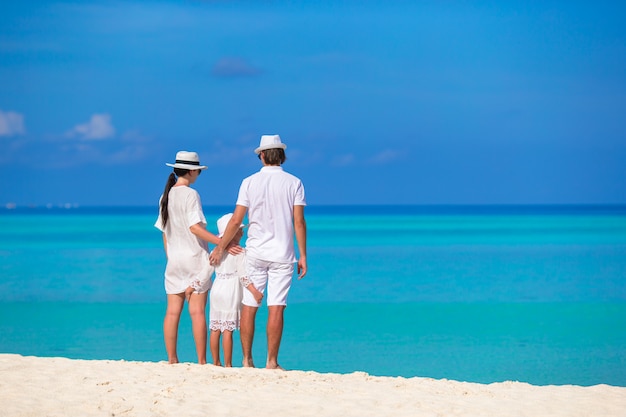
<point>188,293</point>
<point>215,257</point>
<point>235,249</point>
<point>258,295</point>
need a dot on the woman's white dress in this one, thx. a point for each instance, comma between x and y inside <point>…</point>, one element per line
<point>187,256</point>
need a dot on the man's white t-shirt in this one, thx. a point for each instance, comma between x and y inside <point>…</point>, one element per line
<point>270,196</point>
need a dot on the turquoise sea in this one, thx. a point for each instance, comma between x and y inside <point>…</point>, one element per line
<point>471,293</point>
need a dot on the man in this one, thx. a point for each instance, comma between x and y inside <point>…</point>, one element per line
<point>274,201</point>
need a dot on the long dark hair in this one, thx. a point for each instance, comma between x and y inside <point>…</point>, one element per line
<point>171,180</point>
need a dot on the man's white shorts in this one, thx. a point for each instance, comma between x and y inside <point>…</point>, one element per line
<point>275,276</point>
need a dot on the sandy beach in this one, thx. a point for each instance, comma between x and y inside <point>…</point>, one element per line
<point>35,386</point>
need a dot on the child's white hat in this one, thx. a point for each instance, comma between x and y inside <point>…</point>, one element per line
<point>222,222</point>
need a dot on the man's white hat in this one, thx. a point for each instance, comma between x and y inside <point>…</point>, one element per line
<point>270,142</point>
<point>222,222</point>
<point>187,160</point>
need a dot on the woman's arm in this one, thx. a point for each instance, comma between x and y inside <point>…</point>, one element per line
<point>200,231</point>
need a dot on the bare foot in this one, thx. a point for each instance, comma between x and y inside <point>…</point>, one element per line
<point>248,363</point>
<point>274,366</point>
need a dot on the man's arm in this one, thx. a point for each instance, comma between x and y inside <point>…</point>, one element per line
<point>233,225</point>
<point>299,224</point>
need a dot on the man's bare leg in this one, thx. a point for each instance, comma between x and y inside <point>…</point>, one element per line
<point>248,317</point>
<point>275,320</point>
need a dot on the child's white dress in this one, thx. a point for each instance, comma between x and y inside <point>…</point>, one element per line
<point>226,293</point>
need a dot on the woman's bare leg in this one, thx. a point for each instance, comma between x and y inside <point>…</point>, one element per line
<point>175,303</point>
<point>197,311</point>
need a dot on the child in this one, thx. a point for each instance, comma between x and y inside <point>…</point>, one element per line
<point>225,298</point>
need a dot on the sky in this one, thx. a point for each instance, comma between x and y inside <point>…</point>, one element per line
<point>379,102</point>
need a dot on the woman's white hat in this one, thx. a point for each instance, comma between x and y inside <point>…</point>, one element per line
<point>187,160</point>
<point>222,222</point>
<point>270,142</point>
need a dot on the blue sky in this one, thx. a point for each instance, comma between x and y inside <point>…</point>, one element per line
<point>423,102</point>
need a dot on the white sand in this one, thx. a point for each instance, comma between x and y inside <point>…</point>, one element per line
<point>33,386</point>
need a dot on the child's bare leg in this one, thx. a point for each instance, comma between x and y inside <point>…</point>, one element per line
<point>215,347</point>
<point>227,345</point>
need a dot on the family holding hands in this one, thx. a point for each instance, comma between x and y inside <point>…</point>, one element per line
<point>274,202</point>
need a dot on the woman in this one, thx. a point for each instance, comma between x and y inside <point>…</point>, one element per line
<point>185,238</point>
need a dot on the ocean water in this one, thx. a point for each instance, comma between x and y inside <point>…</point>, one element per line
<point>479,293</point>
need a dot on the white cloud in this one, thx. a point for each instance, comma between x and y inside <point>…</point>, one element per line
<point>98,127</point>
<point>384,157</point>
<point>134,136</point>
<point>343,160</point>
<point>229,152</point>
<point>11,123</point>
<point>127,154</point>
<point>234,67</point>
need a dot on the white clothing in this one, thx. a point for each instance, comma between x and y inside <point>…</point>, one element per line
<point>276,276</point>
<point>270,196</point>
<point>187,256</point>
<point>226,293</point>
